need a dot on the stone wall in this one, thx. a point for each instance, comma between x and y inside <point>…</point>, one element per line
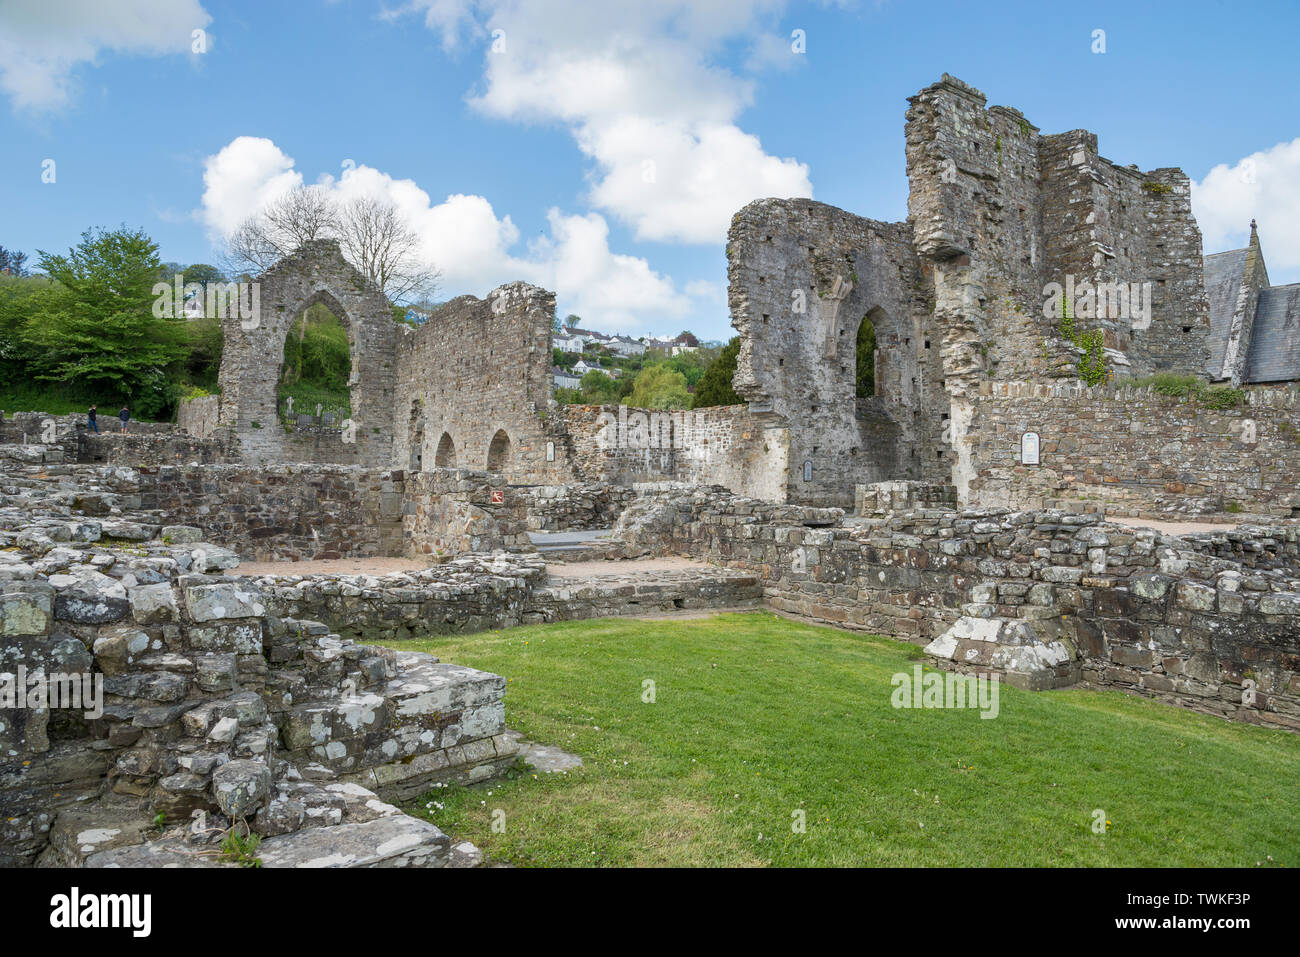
<point>300,512</point>
<point>802,278</point>
<point>281,512</point>
<point>451,511</point>
<point>575,507</point>
<point>478,371</point>
<point>1063,596</point>
<point>730,445</point>
<point>1131,448</point>
<point>253,354</point>
<point>157,448</point>
<point>198,416</point>
<point>193,698</point>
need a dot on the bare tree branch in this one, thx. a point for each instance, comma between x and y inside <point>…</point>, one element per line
<point>371,233</point>
<point>385,249</point>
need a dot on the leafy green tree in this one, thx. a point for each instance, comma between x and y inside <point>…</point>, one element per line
<point>659,387</point>
<point>202,272</point>
<point>13,262</point>
<point>715,385</point>
<point>572,321</point>
<point>95,324</point>
<point>689,364</point>
<point>598,388</point>
<point>18,297</point>
<point>866,378</point>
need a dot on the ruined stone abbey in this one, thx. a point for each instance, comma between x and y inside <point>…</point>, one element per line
<point>968,506</point>
<point>968,350</point>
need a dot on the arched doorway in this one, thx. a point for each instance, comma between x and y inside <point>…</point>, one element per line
<point>314,386</point>
<point>445,457</point>
<point>498,456</point>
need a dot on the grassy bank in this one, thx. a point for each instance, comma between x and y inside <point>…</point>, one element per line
<point>756,718</point>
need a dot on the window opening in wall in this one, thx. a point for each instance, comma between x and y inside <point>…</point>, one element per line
<point>498,457</point>
<point>445,457</point>
<point>865,386</point>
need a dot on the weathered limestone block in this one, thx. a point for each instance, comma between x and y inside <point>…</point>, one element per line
<point>153,604</point>
<point>212,602</point>
<point>26,609</point>
<point>241,787</point>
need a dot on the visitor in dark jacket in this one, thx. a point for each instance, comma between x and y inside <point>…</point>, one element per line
<point>93,423</point>
<point>125,416</point>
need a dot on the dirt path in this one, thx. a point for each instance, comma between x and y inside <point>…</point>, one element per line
<point>331,566</point>
<point>633,566</point>
<point>1173,528</point>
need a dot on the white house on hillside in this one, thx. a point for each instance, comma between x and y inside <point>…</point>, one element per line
<point>564,379</point>
<point>569,340</point>
<point>626,346</point>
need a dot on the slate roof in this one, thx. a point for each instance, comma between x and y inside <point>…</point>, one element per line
<point>1275,338</point>
<point>1223,273</point>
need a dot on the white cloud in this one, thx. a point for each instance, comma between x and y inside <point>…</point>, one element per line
<point>710,291</point>
<point>245,175</point>
<point>43,42</point>
<point>1264,186</point>
<point>611,290</point>
<point>636,84</point>
<point>462,235</point>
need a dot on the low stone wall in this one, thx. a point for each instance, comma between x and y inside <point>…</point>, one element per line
<point>487,592</point>
<point>663,593</point>
<point>148,449</point>
<point>452,511</point>
<point>282,512</point>
<point>292,512</point>
<point>1136,449</point>
<point>723,445</point>
<point>881,498</point>
<point>1159,615</point>
<point>576,507</point>
<point>198,416</point>
<point>191,697</point>
<point>474,593</point>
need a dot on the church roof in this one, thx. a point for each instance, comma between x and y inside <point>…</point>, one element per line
<point>1275,339</point>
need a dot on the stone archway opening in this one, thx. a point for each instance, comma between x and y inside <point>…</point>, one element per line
<point>314,388</point>
<point>445,457</point>
<point>498,457</point>
<point>883,372</point>
<point>865,386</point>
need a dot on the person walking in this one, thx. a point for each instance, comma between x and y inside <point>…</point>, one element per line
<point>125,416</point>
<point>93,424</point>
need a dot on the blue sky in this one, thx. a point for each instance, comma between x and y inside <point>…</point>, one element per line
<point>599,149</point>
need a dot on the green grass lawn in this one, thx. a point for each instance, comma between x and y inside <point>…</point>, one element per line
<point>756,717</point>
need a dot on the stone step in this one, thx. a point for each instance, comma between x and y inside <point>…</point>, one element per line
<point>433,721</point>
<point>1034,654</point>
<point>368,833</point>
<point>615,594</point>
